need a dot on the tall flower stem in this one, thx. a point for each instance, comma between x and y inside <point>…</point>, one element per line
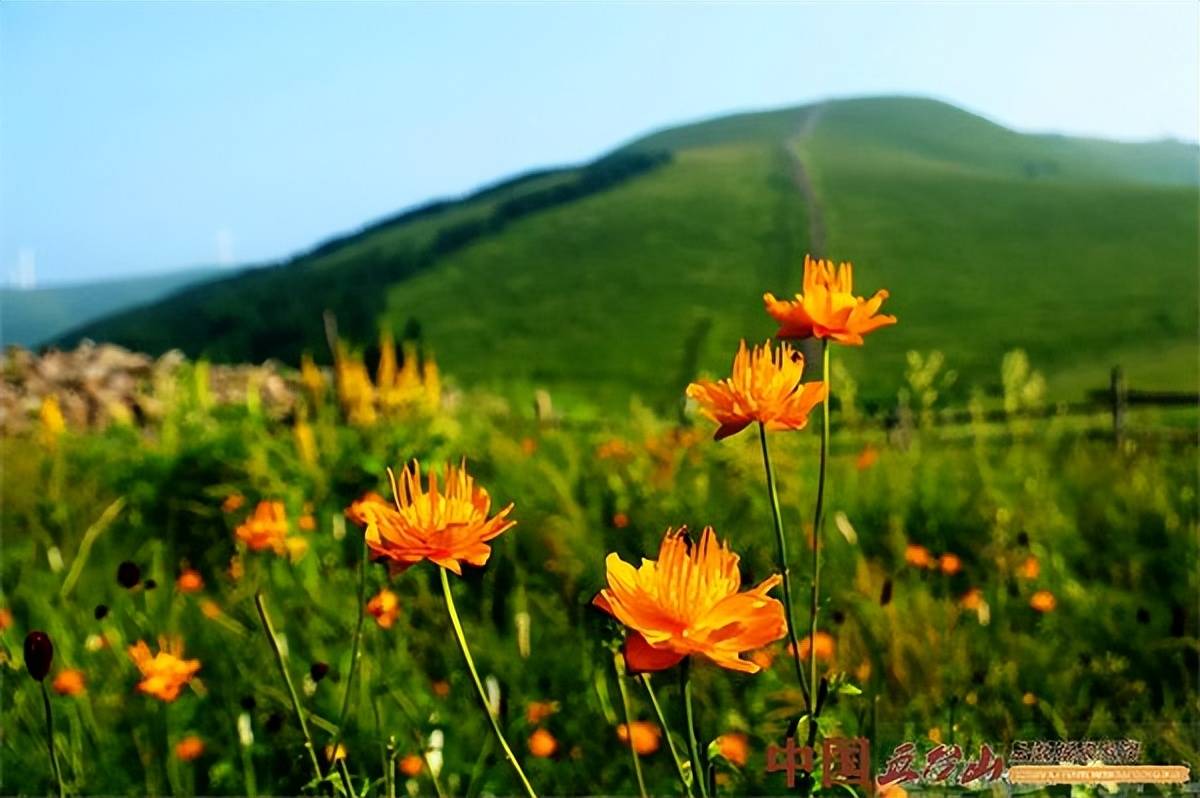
<point>662,721</point>
<point>619,666</point>
<point>699,776</point>
<point>358,627</point>
<point>818,522</point>
<point>287,680</point>
<point>487,709</point>
<point>50,740</point>
<point>781,541</point>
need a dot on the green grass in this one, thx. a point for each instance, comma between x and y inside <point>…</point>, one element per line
<point>1082,252</point>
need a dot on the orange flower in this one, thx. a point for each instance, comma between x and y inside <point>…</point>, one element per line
<point>447,526</point>
<point>735,747</point>
<point>266,528</point>
<point>972,599</point>
<point>917,556</point>
<point>384,606</point>
<point>441,688</point>
<point>620,520</point>
<point>69,682</point>
<point>1043,601</point>
<point>1030,568</point>
<point>307,523</point>
<point>687,602</point>
<point>233,502</point>
<point>763,658</point>
<point>211,609</point>
<point>542,744</point>
<point>645,736</point>
<point>189,748</point>
<point>866,458</point>
<point>537,711</point>
<point>950,563</point>
<point>411,765</point>
<point>828,308</point>
<point>189,581</point>
<point>764,387</point>
<point>5,618</point>
<point>165,672</point>
<point>825,646</point>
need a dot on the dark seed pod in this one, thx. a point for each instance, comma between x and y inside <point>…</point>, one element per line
<point>838,617</point>
<point>248,703</point>
<point>101,611</point>
<point>128,575</point>
<point>274,723</point>
<point>885,595</point>
<point>318,671</point>
<point>150,584</point>
<point>1022,539</point>
<point>39,653</point>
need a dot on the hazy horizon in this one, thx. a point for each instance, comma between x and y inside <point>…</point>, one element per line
<point>268,140</point>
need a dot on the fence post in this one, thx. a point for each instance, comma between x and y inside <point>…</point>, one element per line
<point>1119,396</point>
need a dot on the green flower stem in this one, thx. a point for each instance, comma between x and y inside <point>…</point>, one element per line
<point>619,666</point>
<point>781,541</point>
<point>50,741</point>
<point>662,721</point>
<point>358,627</point>
<point>287,679</point>
<point>699,775</point>
<point>487,710</point>
<point>818,522</point>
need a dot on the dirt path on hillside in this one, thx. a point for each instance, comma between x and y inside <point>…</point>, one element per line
<point>816,219</point>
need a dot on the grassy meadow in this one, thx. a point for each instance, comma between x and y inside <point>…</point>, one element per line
<point>931,652</point>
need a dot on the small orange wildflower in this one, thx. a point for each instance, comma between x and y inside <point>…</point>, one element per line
<point>620,520</point>
<point>189,748</point>
<point>687,602</point>
<point>1043,601</point>
<point>950,563</point>
<point>233,502</point>
<point>972,599</point>
<point>538,711</point>
<point>266,528</point>
<point>189,581</point>
<point>1030,569</point>
<point>542,744</point>
<point>763,658</point>
<point>5,618</point>
<point>764,387</point>
<point>917,556</point>
<point>448,525</point>
<point>210,609</point>
<point>866,458</point>
<point>645,736</point>
<point>165,672</point>
<point>735,747</point>
<point>333,755</point>
<point>69,682</point>
<point>411,765</point>
<point>825,646</point>
<point>384,607</point>
<point>828,307</point>
<point>307,522</point>
<point>441,688</point>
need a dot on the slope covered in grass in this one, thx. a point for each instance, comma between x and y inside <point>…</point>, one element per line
<point>1080,251</point>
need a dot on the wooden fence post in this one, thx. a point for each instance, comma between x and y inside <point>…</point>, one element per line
<point>1119,396</point>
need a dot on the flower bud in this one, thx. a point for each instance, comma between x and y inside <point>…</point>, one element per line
<point>39,653</point>
<point>128,574</point>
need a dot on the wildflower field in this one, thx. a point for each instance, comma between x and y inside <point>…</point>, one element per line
<point>401,585</point>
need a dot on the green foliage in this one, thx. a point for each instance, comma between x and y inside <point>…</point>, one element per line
<point>1113,532</point>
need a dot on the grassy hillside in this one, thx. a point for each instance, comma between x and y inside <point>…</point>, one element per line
<point>1082,252</point>
<point>30,317</point>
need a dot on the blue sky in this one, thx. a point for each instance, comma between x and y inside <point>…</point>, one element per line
<point>142,138</point>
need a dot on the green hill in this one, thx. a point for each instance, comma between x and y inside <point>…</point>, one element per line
<point>29,317</point>
<point>631,274</point>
